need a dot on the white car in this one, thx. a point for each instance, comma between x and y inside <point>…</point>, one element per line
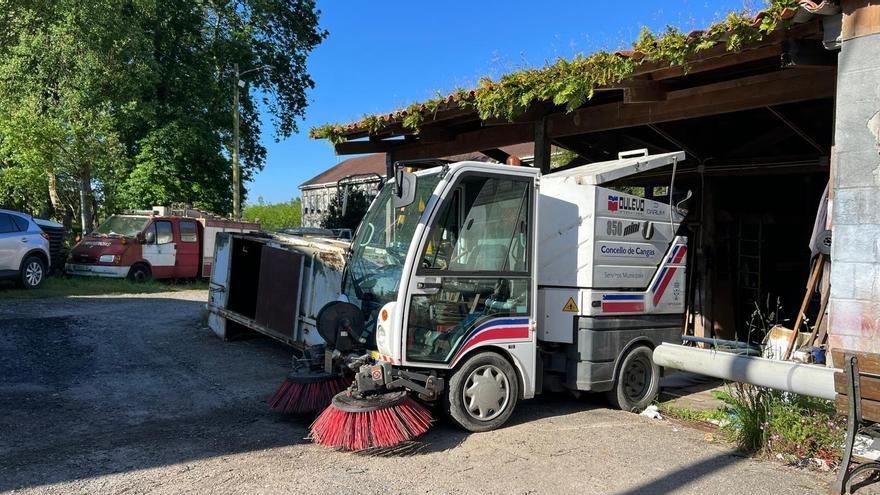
<point>24,249</point>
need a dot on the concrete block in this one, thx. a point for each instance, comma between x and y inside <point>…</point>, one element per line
<point>856,206</point>
<point>859,53</point>
<point>855,318</point>
<point>842,280</point>
<point>856,243</point>
<point>854,132</point>
<point>856,86</point>
<point>865,275</point>
<point>857,169</point>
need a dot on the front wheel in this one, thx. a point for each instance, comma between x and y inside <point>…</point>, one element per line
<point>139,273</point>
<point>638,381</point>
<point>483,392</point>
<point>33,271</point>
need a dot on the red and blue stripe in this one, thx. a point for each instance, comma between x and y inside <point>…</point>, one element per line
<point>497,329</point>
<point>623,303</point>
<point>666,274</point>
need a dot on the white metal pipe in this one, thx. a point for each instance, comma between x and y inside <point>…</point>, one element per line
<point>803,379</point>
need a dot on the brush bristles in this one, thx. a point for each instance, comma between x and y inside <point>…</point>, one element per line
<point>364,430</point>
<point>304,398</point>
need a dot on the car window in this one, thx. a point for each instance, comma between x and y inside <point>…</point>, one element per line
<point>6,224</point>
<point>188,231</point>
<point>20,222</point>
<point>163,232</point>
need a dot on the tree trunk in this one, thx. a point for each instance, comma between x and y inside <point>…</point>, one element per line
<point>62,211</point>
<point>85,202</point>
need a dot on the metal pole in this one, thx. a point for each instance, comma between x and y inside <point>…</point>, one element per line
<point>236,172</point>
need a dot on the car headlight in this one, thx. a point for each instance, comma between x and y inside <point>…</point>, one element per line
<point>107,258</point>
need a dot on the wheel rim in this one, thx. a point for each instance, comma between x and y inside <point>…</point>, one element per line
<point>486,393</point>
<point>33,273</point>
<point>140,275</point>
<point>637,378</point>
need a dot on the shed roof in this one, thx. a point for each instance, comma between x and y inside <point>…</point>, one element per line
<point>646,64</point>
<point>375,164</point>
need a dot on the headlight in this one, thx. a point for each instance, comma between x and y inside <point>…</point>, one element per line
<point>380,334</point>
<point>107,258</point>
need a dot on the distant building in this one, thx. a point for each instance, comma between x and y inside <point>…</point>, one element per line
<point>366,173</point>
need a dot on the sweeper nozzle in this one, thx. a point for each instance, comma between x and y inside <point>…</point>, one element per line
<point>380,420</point>
<point>307,392</point>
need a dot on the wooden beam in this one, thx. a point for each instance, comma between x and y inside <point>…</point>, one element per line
<point>713,99</point>
<point>371,146</point>
<point>485,138</point>
<point>797,130</point>
<point>643,91</point>
<point>542,147</point>
<point>860,18</point>
<point>674,141</point>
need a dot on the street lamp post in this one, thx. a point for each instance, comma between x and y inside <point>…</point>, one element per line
<point>236,170</point>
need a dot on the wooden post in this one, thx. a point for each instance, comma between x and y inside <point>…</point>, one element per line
<point>389,165</point>
<point>542,146</point>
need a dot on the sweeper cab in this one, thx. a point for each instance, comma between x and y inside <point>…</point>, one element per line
<point>479,285</point>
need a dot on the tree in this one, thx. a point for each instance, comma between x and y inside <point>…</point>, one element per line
<point>127,103</point>
<point>274,216</point>
<point>356,206</point>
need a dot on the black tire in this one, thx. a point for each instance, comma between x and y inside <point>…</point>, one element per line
<point>33,272</point>
<point>481,368</point>
<point>140,273</point>
<point>638,381</point>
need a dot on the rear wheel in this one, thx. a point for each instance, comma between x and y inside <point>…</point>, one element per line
<point>33,271</point>
<point>139,273</point>
<point>483,392</point>
<point>638,381</point>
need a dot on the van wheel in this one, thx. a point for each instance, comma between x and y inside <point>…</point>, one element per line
<point>139,273</point>
<point>638,381</point>
<point>483,392</point>
<point>33,271</point>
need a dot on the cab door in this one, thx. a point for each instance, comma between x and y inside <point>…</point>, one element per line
<point>474,283</point>
<point>160,250</point>
<point>187,253</point>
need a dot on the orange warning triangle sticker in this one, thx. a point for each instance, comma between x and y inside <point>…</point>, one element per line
<point>570,306</point>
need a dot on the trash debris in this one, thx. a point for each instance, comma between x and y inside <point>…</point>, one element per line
<point>652,412</point>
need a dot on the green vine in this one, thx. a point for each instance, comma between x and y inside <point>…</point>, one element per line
<point>571,83</point>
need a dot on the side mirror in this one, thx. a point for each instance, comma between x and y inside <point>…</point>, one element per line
<point>141,238</point>
<point>150,237</point>
<point>404,188</point>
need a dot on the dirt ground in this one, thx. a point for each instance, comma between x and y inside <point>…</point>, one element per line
<point>130,394</point>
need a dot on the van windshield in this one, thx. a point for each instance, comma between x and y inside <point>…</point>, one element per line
<point>122,225</point>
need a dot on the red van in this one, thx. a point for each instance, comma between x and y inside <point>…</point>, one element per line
<point>162,243</point>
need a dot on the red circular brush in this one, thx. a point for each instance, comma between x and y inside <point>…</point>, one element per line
<point>306,393</point>
<point>383,420</point>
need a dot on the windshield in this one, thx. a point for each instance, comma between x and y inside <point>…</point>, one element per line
<point>128,226</point>
<point>380,246</point>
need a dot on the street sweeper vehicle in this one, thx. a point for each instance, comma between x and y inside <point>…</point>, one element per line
<point>477,286</point>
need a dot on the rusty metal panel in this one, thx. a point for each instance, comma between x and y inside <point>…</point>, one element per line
<point>278,290</point>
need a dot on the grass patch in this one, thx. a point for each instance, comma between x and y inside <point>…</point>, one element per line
<point>800,430</point>
<point>693,415</point>
<point>788,426</point>
<point>90,286</point>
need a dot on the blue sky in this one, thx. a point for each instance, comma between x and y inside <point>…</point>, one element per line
<point>384,55</point>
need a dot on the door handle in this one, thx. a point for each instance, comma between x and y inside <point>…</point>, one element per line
<point>429,285</point>
<point>24,239</point>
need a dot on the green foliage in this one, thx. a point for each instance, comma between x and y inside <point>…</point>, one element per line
<point>772,422</point>
<point>274,216</point>
<point>355,208</point>
<point>130,100</point>
<point>571,83</point>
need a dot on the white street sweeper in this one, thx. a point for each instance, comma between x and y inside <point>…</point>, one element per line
<point>481,285</point>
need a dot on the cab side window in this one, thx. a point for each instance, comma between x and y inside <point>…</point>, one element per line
<point>164,234</point>
<point>188,231</point>
<point>6,224</point>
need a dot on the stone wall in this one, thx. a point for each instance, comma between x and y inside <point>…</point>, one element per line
<point>855,252</point>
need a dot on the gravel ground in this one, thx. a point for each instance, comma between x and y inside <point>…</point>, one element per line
<point>131,394</point>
